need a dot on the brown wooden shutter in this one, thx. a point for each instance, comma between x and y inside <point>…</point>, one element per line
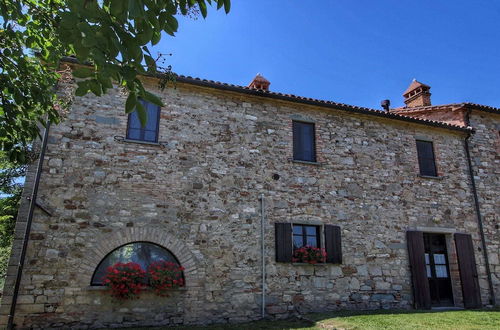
<point>283,239</point>
<point>468,271</point>
<point>416,255</point>
<point>333,244</point>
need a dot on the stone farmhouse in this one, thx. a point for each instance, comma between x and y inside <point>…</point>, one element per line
<point>229,181</point>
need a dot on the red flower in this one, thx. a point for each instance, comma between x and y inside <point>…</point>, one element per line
<point>164,276</point>
<point>126,281</point>
<point>309,254</point>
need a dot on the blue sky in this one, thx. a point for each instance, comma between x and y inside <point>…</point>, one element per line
<point>355,52</point>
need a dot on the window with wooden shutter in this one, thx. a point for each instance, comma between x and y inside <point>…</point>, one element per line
<point>304,141</point>
<point>426,159</point>
<point>283,241</point>
<point>333,244</point>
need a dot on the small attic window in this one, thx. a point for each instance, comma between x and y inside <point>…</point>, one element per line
<point>148,133</point>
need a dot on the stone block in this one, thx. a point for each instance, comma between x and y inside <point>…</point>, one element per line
<point>382,297</point>
<point>25,299</point>
<point>30,308</point>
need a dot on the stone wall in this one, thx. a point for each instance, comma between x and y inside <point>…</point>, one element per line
<point>485,154</point>
<point>198,196</point>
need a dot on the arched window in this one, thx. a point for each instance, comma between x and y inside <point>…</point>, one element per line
<point>143,253</point>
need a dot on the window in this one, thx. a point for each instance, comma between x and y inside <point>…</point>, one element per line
<point>289,237</point>
<point>305,236</point>
<point>143,253</point>
<point>149,133</point>
<point>426,161</point>
<point>304,142</point>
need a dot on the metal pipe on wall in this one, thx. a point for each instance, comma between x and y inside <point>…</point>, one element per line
<point>263,251</point>
<point>10,322</point>
<point>479,220</point>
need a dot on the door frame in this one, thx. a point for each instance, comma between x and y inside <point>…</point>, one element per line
<point>449,279</point>
<point>453,267</point>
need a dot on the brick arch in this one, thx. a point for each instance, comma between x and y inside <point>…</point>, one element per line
<point>107,242</point>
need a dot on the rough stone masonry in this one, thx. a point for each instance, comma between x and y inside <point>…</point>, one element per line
<point>197,194</point>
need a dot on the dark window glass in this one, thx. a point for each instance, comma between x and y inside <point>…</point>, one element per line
<point>149,132</point>
<point>426,161</point>
<point>304,235</point>
<point>304,142</point>
<point>142,253</point>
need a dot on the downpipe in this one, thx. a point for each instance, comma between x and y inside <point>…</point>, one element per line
<point>34,193</point>
<point>479,221</point>
<point>263,253</point>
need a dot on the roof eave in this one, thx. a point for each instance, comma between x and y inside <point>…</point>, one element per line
<point>301,100</point>
<point>323,104</point>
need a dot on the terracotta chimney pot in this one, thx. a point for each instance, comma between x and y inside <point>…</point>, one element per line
<point>259,82</point>
<point>417,95</point>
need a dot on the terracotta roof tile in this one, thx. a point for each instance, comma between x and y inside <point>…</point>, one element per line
<point>453,106</point>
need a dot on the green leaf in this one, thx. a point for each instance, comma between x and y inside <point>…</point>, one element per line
<point>82,53</point>
<point>203,8</point>
<point>156,37</point>
<point>89,41</point>
<point>131,102</point>
<point>128,73</point>
<point>220,3</point>
<point>152,98</point>
<point>136,8</point>
<point>83,88</point>
<point>170,7</point>
<point>95,87</point>
<point>83,72</point>
<point>145,36</point>
<point>142,114</point>
<point>105,81</point>
<point>183,6</point>
<point>153,19</point>
<point>169,30</point>
<point>227,6</point>
<point>151,63</point>
<point>68,20</point>
<point>117,7</point>
<point>172,23</point>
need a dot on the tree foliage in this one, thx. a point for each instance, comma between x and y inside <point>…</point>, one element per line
<point>112,36</point>
<point>10,195</point>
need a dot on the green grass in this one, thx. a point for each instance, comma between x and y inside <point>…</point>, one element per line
<point>443,320</point>
<point>428,320</point>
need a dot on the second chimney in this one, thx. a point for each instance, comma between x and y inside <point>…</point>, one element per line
<point>417,95</point>
<point>259,82</point>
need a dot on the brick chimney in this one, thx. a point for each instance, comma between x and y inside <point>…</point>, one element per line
<point>417,95</point>
<point>259,82</point>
